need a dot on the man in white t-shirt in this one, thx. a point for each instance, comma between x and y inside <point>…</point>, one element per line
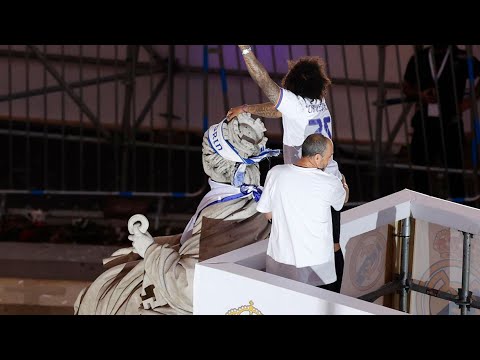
<point>297,199</point>
<point>300,102</point>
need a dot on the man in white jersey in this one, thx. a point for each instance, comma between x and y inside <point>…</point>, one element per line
<point>300,102</point>
<point>297,199</point>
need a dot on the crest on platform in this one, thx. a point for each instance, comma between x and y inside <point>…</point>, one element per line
<point>244,310</point>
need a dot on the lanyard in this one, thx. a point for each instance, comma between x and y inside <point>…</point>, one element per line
<point>444,61</point>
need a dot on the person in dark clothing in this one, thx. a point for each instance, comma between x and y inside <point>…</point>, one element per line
<point>339,261</point>
<point>439,88</point>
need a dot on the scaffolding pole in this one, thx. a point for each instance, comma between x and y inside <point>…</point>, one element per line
<point>404,275</point>
<point>132,57</point>
<point>379,119</point>
<point>80,103</point>
<point>464,293</point>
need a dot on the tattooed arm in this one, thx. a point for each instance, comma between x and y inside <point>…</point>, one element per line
<point>260,75</point>
<point>265,110</point>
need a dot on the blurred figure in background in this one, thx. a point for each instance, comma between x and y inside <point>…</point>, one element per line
<point>439,90</point>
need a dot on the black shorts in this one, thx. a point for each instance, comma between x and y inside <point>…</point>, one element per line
<point>336,225</point>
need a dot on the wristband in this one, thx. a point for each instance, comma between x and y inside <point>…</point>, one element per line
<point>246,51</point>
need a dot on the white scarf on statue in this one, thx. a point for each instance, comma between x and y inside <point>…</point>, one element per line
<point>220,193</point>
<point>223,148</point>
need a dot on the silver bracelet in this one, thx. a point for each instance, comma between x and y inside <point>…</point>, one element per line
<point>246,51</point>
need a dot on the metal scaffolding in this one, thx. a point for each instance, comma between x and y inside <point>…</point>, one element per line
<point>143,151</point>
<point>403,282</point>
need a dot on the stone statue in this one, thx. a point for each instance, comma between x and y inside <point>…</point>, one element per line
<point>155,275</point>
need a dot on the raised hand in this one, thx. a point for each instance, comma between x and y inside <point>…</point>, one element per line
<point>140,241</point>
<point>140,237</point>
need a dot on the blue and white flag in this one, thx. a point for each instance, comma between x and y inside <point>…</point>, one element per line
<point>226,150</point>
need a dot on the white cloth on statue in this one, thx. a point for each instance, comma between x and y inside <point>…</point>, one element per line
<point>219,192</point>
<point>302,117</point>
<point>223,148</point>
<point>300,200</point>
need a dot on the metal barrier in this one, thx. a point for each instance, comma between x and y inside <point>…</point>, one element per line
<point>127,120</point>
<point>92,156</point>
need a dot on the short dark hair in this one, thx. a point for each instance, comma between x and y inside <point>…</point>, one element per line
<point>314,144</point>
<point>307,78</point>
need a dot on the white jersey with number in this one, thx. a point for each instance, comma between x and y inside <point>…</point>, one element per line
<point>302,117</point>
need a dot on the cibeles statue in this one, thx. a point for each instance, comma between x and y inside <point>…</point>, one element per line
<point>155,275</point>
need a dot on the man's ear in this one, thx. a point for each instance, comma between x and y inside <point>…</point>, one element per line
<point>318,157</point>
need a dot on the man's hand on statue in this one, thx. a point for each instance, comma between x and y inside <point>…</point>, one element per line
<point>243,47</point>
<point>233,112</point>
<point>140,241</point>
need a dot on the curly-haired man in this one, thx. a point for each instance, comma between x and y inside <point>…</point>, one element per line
<point>300,102</point>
